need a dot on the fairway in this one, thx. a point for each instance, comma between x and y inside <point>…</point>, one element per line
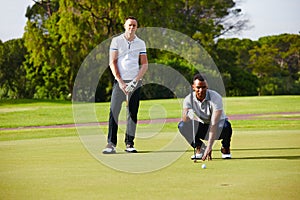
<point>52,163</point>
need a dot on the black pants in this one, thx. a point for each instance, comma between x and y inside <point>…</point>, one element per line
<point>117,98</point>
<point>201,132</point>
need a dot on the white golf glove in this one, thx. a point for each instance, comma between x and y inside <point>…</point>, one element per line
<point>190,113</point>
<point>131,86</point>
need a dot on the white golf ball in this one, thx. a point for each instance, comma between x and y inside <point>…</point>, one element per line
<point>203,166</point>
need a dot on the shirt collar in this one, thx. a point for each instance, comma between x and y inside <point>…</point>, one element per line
<point>135,37</point>
<point>207,96</point>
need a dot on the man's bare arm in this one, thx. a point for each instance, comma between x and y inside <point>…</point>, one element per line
<point>215,118</point>
<point>144,67</point>
<point>115,71</point>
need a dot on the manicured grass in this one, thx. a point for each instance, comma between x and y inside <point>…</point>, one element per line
<point>265,165</point>
<point>9,135</point>
<point>53,163</point>
<point>19,113</point>
<point>266,124</point>
<point>262,104</point>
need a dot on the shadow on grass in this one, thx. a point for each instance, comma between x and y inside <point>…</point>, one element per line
<point>267,149</point>
<point>262,157</point>
<point>258,157</point>
<point>269,157</point>
<point>216,150</point>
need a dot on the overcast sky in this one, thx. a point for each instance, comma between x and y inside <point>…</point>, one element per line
<point>270,17</point>
<point>267,17</point>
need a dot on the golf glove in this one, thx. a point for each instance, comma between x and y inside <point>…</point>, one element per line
<point>131,86</point>
<point>190,113</point>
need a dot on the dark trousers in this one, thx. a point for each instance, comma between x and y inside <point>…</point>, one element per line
<point>224,132</point>
<point>117,98</point>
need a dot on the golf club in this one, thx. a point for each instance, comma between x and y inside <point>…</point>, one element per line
<point>193,126</point>
<point>127,113</point>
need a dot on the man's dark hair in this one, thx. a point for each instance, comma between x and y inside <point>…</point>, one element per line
<point>131,17</point>
<point>200,77</point>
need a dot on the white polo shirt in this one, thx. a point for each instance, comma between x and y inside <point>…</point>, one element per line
<point>128,55</point>
<point>213,101</point>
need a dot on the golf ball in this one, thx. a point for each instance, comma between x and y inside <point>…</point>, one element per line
<point>203,166</point>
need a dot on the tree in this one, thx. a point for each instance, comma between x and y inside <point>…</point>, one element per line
<point>60,33</point>
<point>12,74</point>
<point>232,60</point>
<point>276,63</point>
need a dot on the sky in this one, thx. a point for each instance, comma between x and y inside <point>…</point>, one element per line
<point>270,17</point>
<point>267,17</point>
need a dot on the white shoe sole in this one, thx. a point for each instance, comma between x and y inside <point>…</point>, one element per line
<point>226,156</point>
<point>108,151</point>
<point>131,150</point>
<point>198,156</point>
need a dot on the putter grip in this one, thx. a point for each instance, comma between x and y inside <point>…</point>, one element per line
<point>127,100</point>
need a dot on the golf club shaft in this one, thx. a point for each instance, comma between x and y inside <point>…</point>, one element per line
<point>193,124</point>
<point>127,113</point>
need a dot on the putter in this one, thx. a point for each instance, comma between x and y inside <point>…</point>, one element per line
<point>127,115</point>
<point>193,127</point>
<point>127,112</point>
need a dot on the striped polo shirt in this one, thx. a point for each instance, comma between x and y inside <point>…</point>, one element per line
<point>128,55</point>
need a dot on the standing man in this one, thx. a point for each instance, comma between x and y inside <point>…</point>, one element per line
<point>205,107</point>
<point>127,52</point>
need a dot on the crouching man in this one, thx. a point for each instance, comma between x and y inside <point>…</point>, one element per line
<point>203,108</point>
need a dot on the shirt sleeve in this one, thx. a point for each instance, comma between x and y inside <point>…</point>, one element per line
<point>187,102</point>
<point>143,50</point>
<point>113,45</point>
<point>217,101</point>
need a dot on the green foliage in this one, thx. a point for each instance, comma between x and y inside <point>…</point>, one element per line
<point>12,74</point>
<point>59,34</point>
<point>232,61</point>
<point>269,66</point>
<point>275,61</point>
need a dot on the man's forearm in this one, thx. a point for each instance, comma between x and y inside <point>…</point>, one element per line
<point>142,72</point>
<point>214,127</point>
<point>212,135</point>
<point>144,67</point>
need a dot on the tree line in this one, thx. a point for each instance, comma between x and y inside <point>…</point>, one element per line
<point>59,34</point>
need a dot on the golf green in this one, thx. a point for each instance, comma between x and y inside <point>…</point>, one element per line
<point>265,165</point>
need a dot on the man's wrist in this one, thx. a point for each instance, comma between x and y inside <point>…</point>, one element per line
<point>187,113</point>
<point>118,79</point>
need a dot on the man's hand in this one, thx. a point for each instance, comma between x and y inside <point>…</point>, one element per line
<point>207,154</point>
<point>123,86</point>
<point>131,86</point>
<point>190,114</point>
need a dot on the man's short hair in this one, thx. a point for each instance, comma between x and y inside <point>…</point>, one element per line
<point>200,77</point>
<point>131,17</point>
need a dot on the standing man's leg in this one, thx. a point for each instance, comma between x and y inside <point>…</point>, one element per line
<point>134,102</point>
<point>117,98</point>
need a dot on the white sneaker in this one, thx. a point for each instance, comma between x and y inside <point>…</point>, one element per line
<point>226,156</point>
<point>130,149</point>
<point>197,156</point>
<point>110,149</point>
<point>225,153</point>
